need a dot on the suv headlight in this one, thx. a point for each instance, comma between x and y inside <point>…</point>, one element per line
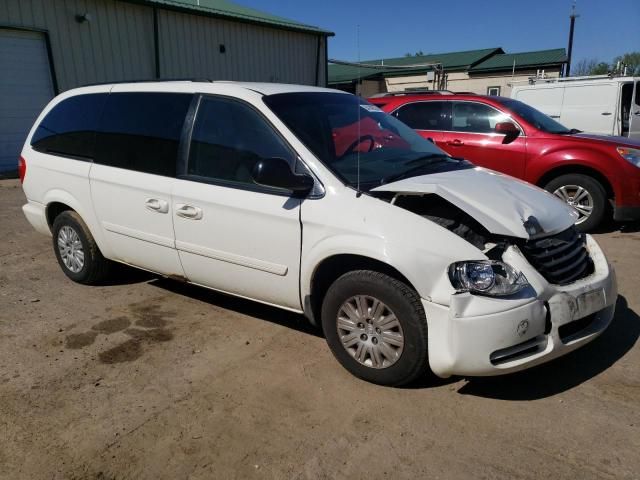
<point>631,155</point>
<point>486,277</point>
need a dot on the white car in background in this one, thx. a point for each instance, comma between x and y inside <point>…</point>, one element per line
<point>315,201</point>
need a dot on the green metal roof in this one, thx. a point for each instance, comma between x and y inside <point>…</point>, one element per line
<point>450,61</point>
<point>226,9</point>
<point>535,59</point>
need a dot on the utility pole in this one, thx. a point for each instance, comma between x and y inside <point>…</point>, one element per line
<point>572,18</point>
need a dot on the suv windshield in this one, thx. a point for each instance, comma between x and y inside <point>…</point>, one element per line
<point>535,117</point>
<point>358,141</point>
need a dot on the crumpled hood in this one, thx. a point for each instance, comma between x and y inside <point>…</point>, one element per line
<point>498,202</point>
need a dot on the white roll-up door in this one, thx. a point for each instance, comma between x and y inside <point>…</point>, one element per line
<point>25,88</point>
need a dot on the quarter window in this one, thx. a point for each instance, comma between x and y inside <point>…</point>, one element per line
<point>141,131</point>
<point>425,115</point>
<point>69,128</point>
<point>229,138</point>
<point>476,117</point>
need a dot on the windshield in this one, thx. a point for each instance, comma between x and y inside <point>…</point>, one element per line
<point>535,117</point>
<point>356,140</point>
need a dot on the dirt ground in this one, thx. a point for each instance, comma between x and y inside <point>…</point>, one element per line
<point>148,378</point>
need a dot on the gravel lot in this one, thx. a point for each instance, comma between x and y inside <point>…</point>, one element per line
<point>148,378</point>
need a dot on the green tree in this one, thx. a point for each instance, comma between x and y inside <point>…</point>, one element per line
<point>632,60</point>
<point>600,68</point>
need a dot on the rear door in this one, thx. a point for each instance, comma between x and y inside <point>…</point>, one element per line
<point>133,172</point>
<point>473,137</point>
<point>232,234</point>
<point>429,118</point>
<point>634,118</point>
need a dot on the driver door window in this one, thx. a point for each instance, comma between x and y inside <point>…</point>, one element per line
<point>228,139</point>
<point>476,117</point>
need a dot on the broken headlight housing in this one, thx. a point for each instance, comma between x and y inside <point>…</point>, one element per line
<point>486,277</point>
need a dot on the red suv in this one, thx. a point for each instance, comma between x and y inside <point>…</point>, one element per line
<point>589,172</point>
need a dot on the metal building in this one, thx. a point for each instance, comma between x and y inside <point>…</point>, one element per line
<point>48,46</point>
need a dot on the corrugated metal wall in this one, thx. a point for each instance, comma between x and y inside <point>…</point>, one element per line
<point>190,43</point>
<point>118,44</point>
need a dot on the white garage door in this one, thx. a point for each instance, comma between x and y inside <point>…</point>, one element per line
<point>25,88</point>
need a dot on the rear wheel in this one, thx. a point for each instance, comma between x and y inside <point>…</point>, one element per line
<point>585,194</point>
<point>76,250</point>
<point>376,327</point>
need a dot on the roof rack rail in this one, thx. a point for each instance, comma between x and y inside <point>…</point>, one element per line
<point>534,80</point>
<point>414,92</point>
<point>150,80</point>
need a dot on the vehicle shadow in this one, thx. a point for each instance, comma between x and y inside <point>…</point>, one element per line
<point>121,274</point>
<point>566,372</point>
<point>622,227</point>
<point>251,308</point>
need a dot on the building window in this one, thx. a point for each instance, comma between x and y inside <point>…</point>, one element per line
<point>495,91</point>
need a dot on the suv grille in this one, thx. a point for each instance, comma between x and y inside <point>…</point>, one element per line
<point>561,258</point>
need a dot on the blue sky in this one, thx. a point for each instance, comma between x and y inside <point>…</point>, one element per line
<point>605,28</point>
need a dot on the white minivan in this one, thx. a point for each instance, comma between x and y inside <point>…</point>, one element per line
<point>599,105</point>
<point>315,201</point>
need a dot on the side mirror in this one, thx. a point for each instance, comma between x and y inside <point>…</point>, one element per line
<point>276,172</point>
<point>509,130</point>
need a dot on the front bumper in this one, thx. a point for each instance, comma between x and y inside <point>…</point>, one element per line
<point>480,336</point>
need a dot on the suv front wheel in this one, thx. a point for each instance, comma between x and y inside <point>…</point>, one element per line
<point>585,194</point>
<point>376,327</point>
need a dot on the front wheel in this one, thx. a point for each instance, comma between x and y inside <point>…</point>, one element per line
<point>376,328</point>
<point>585,194</point>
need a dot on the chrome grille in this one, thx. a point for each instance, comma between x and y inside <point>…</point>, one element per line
<point>562,258</point>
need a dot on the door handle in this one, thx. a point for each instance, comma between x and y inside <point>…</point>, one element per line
<point>637,113</point>
<point>605,113</point>
<point>155,205</point>
<point>455,143</point>
<point>554,116</point>
<point>188,211</point>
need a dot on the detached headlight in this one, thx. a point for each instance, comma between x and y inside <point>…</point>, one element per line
<point>631,155</point>
<point>486,277</point>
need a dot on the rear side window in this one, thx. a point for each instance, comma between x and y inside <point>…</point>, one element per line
<point>425,115</point>
<point>141,131</point>
<point>69,129</point>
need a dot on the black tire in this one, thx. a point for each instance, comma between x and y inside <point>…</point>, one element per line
<point>405,304</point>
<point>593,187</point>
<point>96,268</point>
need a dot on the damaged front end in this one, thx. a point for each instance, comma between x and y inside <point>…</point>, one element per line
<point>560,258</point>
<point>547,292</point>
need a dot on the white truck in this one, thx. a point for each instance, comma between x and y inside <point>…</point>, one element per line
<point>602,105</point>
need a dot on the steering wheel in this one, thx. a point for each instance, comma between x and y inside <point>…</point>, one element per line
<point>353,146</point>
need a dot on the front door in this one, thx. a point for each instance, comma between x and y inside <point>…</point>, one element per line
<point>634,118</point>
<point>232,234</point>
<point>473,137</point>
